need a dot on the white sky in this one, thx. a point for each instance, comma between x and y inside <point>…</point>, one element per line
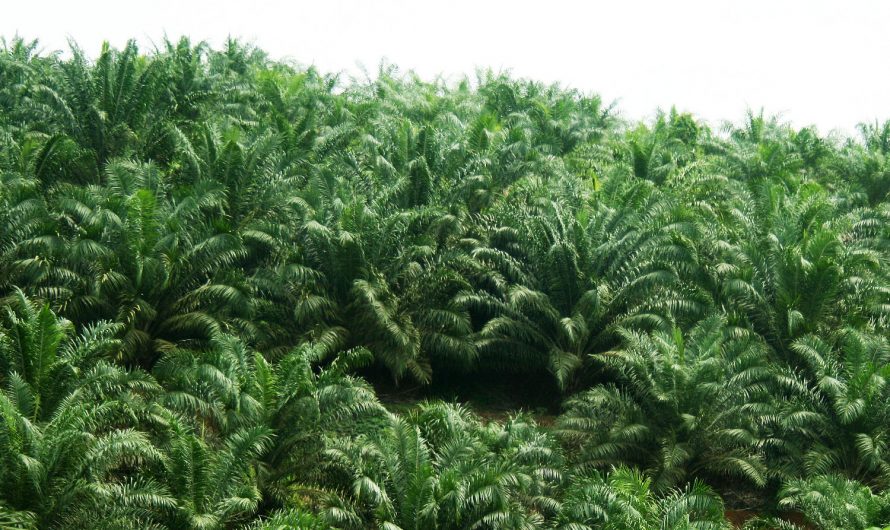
<point>811,61</point>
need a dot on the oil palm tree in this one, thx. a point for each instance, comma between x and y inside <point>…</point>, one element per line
<point>74,425</point>
<point>684,406</point>
<point>214,486</point>
<point>834,410</point>
<point>625,499</point>
<point>830,501</point>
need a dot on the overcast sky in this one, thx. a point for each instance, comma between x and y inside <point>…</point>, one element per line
<point>810,61</point>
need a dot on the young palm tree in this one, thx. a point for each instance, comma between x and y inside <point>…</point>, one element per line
<point>624,499</point>
<point>830,501</point>
<point>74,426</point>
<point>685,406</point>
<point>834,415</point>
<point>214,487</point>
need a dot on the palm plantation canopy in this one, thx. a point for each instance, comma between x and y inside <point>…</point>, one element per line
<point>209,260</point>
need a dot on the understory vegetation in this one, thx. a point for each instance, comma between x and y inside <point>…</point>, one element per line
<point>211,263</point>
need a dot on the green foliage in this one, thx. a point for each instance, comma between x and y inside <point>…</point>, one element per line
<point>830,501</point>
<point>202,250</point>
<point>684,407</point>
<point>624,499</point>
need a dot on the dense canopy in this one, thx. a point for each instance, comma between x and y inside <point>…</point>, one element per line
<point>211,263</point>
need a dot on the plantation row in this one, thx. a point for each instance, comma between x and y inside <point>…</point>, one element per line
<point>205,255</point>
